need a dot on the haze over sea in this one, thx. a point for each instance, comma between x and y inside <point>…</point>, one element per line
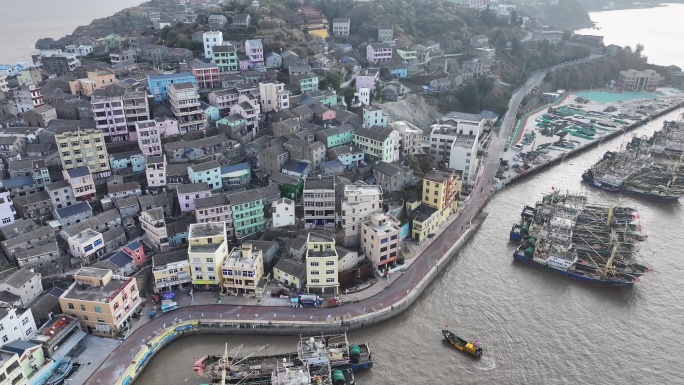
<point>23,22</point>
<point>659,29</point>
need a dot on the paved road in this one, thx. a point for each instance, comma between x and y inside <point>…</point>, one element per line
<point>398,289</point>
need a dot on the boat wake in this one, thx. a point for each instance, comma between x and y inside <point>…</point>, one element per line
<point>485,363</point>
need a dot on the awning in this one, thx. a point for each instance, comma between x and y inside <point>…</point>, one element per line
<point>69,345</point>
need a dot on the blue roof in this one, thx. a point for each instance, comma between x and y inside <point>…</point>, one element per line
<point>78,208</point>
<point>489,114</point>
<point>190,151</point>
<point>18,182</point>
<point>204,105</point>
<point>18,346</point>
<point>134,245</point>
<point>120,259</point>
<point>174,76</point>
<point>56,291</point>
<point>234,167</point>
<point>345,59</point>
<point>306,101</point>
<point>254,42</point>
<point>301,167</point>
<point>78,172</point>
<point>332,163</point>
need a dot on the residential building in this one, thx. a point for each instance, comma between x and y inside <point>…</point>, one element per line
<point>380,240</point>
<point>456,148</point>
<point>171,271</point>
<point>153,223</point>
<point>335,136</point>
<point>185,105</point>
<point>272,159</point>
<point>313,153</point>
<point>411,138</point>
<point>359,201</point>
<point>248,108</point>
<point>156,171</point>
<point>211,39</point>
<point>378,143</point>
<point>393,176</point>
<point>40,236</point>
<point>22,283</point>
<point>385,34</point>
<point>3,84</point>
<point>188,193</point>
<point>110,118</point>
<point>367,78</point>
<point>243,270</point>
<point>441,189</point>
<point>81,181</point>
<point>27,98</point>
<point>40,116</point>
<point>479,41</point>
<point>35,206</point>
<point>283,211</point>
<point>290,272</point>
<point>17,187</point>
<point>273,60</point>
<point>321,265</point>
<point>273,97</point>
<point>374,116</point>
<point>208,172</point>
<point>349,156</point>
<point>242,20</point>
<point>30,76</point>
<point>478,3</point>
<point>10,369</point>
<point>633,80</point>
<point>7,210</point>
<point>215,208</point>
<point>319,203</point>
<point>247,209</point>
<point>378,52</point>
<point>217,21</point>
<point>255,51</point>
<point>408,56</point>
<point>84,148</point>
<point>425,221</point>
<point>225,57</point>
<point>88,245</point>
<point>207,250</point>
<point>149,137</point>
<point>299,69</point>
<point>127,162</point>
<point>305,82</point>
<point>45,257</point>
<point>73,214</point>
<point>60,64</point>
<point>128,55</point>
<point>13,145</point>
<point>95,80</point>
<point>341,26</point>
<point>163,201</point>
<point>101,302</point>
<point>207,74</point>
<point>136,109</point>
<point>60,333</point>
<point>159,85</point>
<point>236,175</point>
<point>16,324</point>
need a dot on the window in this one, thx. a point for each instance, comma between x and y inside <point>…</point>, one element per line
<point>330,272</point>
<point>6,220</point>
<point>71,306</point>
<point>330,263</point>
<point>100,319</point>
<point>313,264</point>
<point>315,281</point>
<point>4,339</point>
<point>85,317</point>
<point>25,321</point>
<point>314,272</point>
<point>330,280</point>
<point>98,309</point>
<point>83,308</point>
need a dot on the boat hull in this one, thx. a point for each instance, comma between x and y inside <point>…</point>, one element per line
<point>597,185</point>
<point>459,344</point>
<point>578,277</point>
<point>515,236</point>
<point>652,197</point>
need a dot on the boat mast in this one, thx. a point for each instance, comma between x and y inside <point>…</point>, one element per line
<point>609,264</point>
<point>257,351</point>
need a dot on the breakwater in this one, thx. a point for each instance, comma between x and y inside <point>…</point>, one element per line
<point>587,146</point>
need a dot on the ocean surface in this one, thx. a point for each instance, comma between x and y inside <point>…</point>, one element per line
<point>538,328</point>
<point>659,29</point>
<point>23,22</point>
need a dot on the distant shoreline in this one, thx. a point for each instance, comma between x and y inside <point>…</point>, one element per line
<point>632,6</point>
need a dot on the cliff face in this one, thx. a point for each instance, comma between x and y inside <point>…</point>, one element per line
<point>568,15</point>
<point>414,109</point>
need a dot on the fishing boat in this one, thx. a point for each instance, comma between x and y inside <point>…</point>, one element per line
<point>61,372</point>
<point>473,348</point>
<point>516,234</point>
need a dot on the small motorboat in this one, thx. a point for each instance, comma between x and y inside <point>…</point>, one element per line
<point>61,371</point>
<point>473,348</point>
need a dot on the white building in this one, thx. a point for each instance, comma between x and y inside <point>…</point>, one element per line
<point>283,212</point>
<point>154,225</point>
<point>3,84</point>
<point>16,324</point>
<point>156,171</point>
<point>358,203</point>
<point>23,283</point>
<point>455,148</point>
<point>273,97</point>
<point>380,240</point>
<point>87,245</point>
<point>185,105</point>
<point>341,26</point>
<point>79,50</point>
<point>374,116</point>
<point>364,95</point>
<point>6,209</point>
<point>243,270</point>
<point>411,137</point>
<point>211,39</point>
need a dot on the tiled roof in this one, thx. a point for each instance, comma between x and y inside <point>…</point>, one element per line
<point>16,277</point>
<point>78,208</point>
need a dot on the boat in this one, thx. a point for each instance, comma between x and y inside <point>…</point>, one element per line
<point>61,372</point>
<point>473,348</point>
<point>516,233</point>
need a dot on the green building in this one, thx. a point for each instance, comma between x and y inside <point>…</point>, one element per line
<point>335,136</point>
<point>247,208</point>
<point>305,82</point>
<point>225,57</point>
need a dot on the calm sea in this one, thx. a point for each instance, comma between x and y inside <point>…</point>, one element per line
<point>659,29</point>
<point>23,22</point>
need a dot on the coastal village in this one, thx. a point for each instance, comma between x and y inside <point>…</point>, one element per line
<point>140,178</point>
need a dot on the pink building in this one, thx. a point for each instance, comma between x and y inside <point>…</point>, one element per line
<point>151,132</point>
<point>224,99</point>
<point>250,109</point>
<point>81,182</point>
<point>207,75</point>
<point>110,118</point>
<point>188,193</point>
<point>367,78</point>
<point>244,62</point>
<point>136,251</point>
<point>377,52</point>
<point>255,51</point>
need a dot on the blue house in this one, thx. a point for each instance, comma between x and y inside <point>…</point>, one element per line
<point>490,116</point>
<point>212,112</point>
<point>399,72</point>
<point>159,84</point>
<point>177,232</point>
<point>236,175</point>
<point>208,172</point>
<point>133,159</point>
<point>347,155</point>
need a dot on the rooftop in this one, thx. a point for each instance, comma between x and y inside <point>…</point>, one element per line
<point>315,184</point>
<point>291,267</point>
<point>156,214</point>
<point>189,188</point>
<point>463,116</point>
<point>206,230</point>
<point>377,133</point>
<point>78,172</point>
<point>182,86</point>
<point>16,277</point>
<point>243,197</point>
<point>78,208</point>
<point>101,294</point>
<point>18,182</point>
<point>160,261</point>
<point>244,257</point>
<point>53,327</point>
<point>423,212</point>
<point>214,200</point>
<point>202,167</point>
<point>388,168</point>
<point>439,175</point>
<point>84,236</point>
<point>92,272</point>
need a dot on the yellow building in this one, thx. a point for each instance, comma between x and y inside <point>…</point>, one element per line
<point>440,190</point>
<point>102,302</point>
<point>425,220</point>
<point>290,272</point>
<point>207,250</point>
<point>319,32</point>
<point>84,148</point>
<point>10,370</point>
<point>30,355</point>
<point>321,265</point>
<point>171,271</point>
<point>242,271</point>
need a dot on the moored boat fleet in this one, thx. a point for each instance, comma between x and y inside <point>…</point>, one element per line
<point>594,244</point>
<point>648,168</point>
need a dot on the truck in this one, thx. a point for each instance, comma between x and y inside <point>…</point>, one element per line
<point>309,300</point>
<point>168,302</point>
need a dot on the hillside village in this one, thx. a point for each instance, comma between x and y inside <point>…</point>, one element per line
<point>247,139</point>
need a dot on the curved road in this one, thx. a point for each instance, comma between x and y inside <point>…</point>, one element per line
<point>122,356</point>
